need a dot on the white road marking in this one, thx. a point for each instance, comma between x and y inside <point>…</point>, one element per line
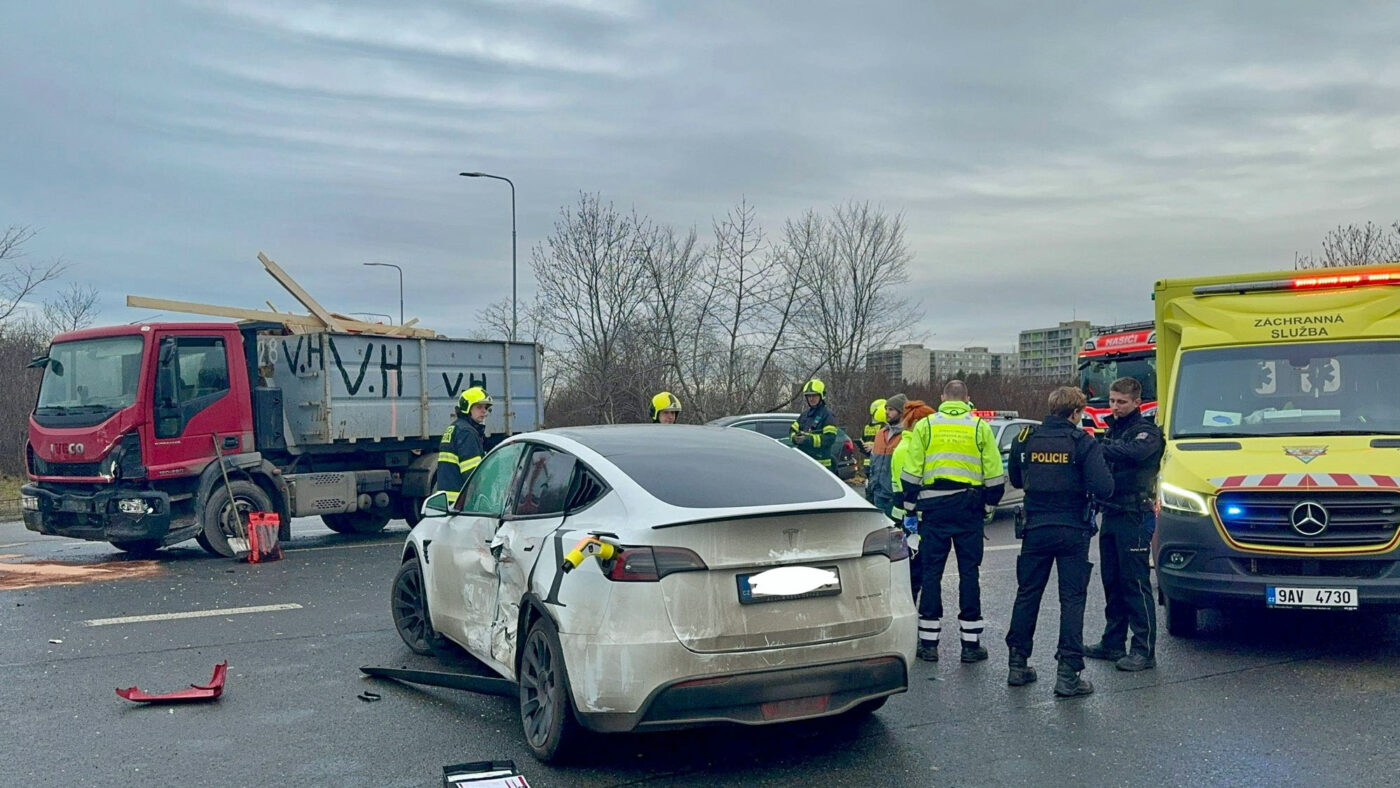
<point>227,611</point>
<point>342,546</point>
<point>1003,547</point>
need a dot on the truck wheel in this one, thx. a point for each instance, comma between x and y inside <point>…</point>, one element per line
<point>141,547</point>
<point>410,510</point>
<point>219,522</point>
<point>364,522</point>
<point>409,603</point>
<point>1181,618</point>
<point>546,708</point>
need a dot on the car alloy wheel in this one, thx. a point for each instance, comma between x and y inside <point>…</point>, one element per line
<point>546,712</point>
<point>409,603</point>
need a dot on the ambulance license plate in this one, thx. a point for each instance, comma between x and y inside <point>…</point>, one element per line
<point>1312,598</point>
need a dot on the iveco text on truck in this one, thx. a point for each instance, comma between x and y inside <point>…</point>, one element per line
<point>1280,485</point>
<point>148,435</point>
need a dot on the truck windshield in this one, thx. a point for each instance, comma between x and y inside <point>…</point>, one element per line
<point>1096,374</point>
<point>1324,388</point>
<point>90,376</point>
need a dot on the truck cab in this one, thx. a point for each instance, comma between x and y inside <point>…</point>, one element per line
<point>1280,484</point>
<point>1128,350</point>
<point>127,419</point>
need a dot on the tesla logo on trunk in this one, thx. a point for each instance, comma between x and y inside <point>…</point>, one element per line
<point>1308,518</point>
<point>67,448</point>
<point>791,534</point>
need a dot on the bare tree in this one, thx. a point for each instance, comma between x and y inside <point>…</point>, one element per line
<point>1353,244</point>
<point>723,314</point>
<point>20,277</point>
<point>73,308</point>
<point>852,267</point>
<point>591,275</point>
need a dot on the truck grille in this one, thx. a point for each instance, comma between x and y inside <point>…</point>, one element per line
<point>1354,518</point>
<point>45,468</point>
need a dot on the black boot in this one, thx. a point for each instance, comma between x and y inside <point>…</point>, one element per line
<point>1068,684</point>
<point>973,651</point>
<point>1020,673</point>
<point>928,651</point>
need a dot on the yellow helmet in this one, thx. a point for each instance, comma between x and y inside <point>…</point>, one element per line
<point>814,386</point>
<point>665,402</point>
<point>473,396</point>
<point>877,410</point>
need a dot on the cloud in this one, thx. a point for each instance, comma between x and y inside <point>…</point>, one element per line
<point>1049,161</point>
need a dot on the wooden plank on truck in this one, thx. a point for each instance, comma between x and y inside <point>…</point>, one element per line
<point>299,293</point>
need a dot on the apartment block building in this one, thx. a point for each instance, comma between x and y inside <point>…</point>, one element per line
<point>1050,353</point>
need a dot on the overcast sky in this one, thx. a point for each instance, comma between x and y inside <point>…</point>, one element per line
<point>1051,160</point>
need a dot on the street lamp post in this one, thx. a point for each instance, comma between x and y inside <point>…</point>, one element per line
<point>514,322</point>
<point>400,270</point>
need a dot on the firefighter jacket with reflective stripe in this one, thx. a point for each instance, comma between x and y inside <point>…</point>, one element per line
<point>1133,448</point>
<point>820,429</point>
<point>1060,467</point>
<point>950,452</point>
<point>868,435</point>
<point>880,480</point>
<point>458,455</point>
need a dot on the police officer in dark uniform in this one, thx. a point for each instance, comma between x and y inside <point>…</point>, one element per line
<point>1060,467</point>
<point>1133,447</point>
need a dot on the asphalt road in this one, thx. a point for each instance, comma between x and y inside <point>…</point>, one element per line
<point>1266,699</point>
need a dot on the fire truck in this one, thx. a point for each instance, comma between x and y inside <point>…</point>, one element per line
<point>1127,350</point>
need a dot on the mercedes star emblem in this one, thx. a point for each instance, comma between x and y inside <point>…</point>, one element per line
<point>1308,518</point>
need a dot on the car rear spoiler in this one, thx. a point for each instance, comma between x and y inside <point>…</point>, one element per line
<point>761,515</point>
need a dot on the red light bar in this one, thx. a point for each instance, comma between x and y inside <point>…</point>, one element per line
<point>1346,280</point>
<point>1302,283</point>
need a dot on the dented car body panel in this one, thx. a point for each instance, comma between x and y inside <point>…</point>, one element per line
<point>698,642</point>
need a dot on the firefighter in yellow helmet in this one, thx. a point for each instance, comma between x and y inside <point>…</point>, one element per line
<point>665,408</point>
<point>867,443</point>
<point>464,443</point>
<point>814,432</point>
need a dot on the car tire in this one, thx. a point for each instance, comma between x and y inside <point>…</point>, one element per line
<point>361,522</point>
<point>546,705</point>
<point>138,547</point>
<point>408,601</point>
<point>242,495</point>
<point>410,509</point>
<point>1181,618</point>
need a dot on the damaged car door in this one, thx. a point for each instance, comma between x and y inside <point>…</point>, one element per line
<point>536,511</point>
<point>462,556</point>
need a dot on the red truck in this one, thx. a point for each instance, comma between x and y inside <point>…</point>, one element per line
<point>148,435</point>
<point>1127,350</point>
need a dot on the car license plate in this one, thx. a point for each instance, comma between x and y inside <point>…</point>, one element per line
<point>1312,598</point>
<point>788,582</point>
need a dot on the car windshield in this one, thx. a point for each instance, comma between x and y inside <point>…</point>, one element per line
<point>1096,374</point>
<point>90,375</point>
<point>1327,388</point>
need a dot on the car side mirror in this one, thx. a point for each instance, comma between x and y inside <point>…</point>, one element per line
<point>436,505</point>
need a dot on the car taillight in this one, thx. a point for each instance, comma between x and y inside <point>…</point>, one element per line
<point>650,564</point>
<point>888,542</point>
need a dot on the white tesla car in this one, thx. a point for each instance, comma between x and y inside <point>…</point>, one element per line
<point>720,578</point>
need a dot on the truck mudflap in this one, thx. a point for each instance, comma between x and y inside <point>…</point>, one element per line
<point>111,515</point>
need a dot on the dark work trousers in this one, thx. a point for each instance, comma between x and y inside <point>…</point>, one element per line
<point>1124,546</point>
<point>1068,549</point>
<point>955,527</point>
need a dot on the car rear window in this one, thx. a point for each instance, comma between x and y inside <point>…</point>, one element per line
<point>713,467</point>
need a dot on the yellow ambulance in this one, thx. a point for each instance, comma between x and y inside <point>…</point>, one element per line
<point>1280,403</point>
